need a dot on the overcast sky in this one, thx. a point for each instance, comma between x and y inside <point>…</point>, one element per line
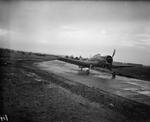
<point>78,28</point>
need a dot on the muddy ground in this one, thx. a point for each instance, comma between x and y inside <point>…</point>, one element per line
<point>29,94</point>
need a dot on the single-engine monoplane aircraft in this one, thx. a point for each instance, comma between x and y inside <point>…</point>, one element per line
<point>91,63</point>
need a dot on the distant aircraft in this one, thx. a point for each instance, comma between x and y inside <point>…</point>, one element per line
<point>96,61</point>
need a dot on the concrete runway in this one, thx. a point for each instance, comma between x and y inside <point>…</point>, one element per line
<point>129,88</point>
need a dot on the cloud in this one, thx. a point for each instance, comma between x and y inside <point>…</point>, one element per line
<point>4,42</point>
<point>136,40</point>
<point>3,32</point>
<point>73,27</point>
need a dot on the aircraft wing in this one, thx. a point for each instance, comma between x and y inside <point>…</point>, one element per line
<point>82,63</point>
<point>122,66</point>
<point>86,63</point>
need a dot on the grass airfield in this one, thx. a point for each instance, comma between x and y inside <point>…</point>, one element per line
<point>29,93</point>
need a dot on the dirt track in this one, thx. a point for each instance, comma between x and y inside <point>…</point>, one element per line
<point>121,86</point>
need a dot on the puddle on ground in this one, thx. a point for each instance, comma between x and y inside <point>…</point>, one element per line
<point>37,79</point>
<point>133,83</point>
<point>131,89</point>
<point>147,93</point>
<point>31,74</point>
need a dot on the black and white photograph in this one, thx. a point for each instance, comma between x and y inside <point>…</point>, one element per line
<point>74,61</point>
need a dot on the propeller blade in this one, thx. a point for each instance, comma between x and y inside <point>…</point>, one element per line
<point>113,53</point>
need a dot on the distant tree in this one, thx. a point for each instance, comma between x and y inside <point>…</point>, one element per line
<point>71,57</point>
<point>77,58</point>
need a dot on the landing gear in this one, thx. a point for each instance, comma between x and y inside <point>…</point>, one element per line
<point>86,72</point>
<point>113,75</point>
<point>81,69</point>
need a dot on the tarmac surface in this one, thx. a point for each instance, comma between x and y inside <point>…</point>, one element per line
<point>134,89</point>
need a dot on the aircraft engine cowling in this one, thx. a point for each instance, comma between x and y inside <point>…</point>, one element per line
<point>109,59</point>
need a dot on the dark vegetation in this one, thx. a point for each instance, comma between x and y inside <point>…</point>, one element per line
<point>13,55</point>
<point>139,72</point>
<point>22,97</point>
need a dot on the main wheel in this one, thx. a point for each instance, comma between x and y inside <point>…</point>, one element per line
<point>87,72</point>
<point>113,75</point>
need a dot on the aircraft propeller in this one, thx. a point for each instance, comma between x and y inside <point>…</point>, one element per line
<point>110,60</point>
<point>113,53</point>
